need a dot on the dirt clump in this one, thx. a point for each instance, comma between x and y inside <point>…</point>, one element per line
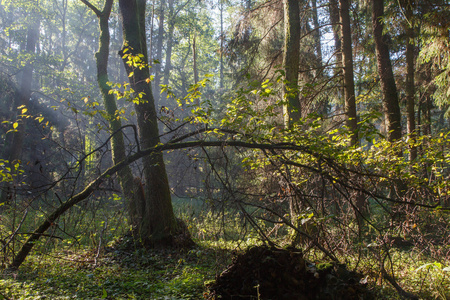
<point>276,274</point>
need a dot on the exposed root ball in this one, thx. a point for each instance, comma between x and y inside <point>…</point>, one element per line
<point>264,273</point>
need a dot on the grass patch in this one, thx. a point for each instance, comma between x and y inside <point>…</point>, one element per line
<point>142,274</point>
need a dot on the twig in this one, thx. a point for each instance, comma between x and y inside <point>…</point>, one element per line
<point>100,244</point>
<point>397,287</point>
<point>15,231</point>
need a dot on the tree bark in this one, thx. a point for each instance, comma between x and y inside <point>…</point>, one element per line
<point>171,27</point>
<point>347,62</point>
<point>391,106</point>
<point>316,35</point>
<point>410,88</point>
<point>130,188</point>
<point>159,46</point>
<point>194,56</point>
<point>322,106</point>
<point>150,42</point>
<point>159,223</point>
<point>426,113</point>
<point>221,43</point>
<point>292,109</point>
<point>334,18</point>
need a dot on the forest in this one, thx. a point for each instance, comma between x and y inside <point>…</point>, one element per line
<point>225,149</point>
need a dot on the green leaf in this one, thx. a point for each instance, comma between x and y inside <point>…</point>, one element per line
<point>105,294</point>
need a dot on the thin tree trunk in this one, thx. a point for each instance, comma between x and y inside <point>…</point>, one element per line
<point>347,62</point>
<point>335,19</point>
<point>221,43</point>
<point>194,56</point>
<point>159,46</point>
<point>426,114</point>
<point>323,105</point>
<point>292,110</point>
<point>410,89</point>
<point>350,97</point>
<point>391,106</point>
<point>150,42</point>
<point>317,43</point>
<point>130,188</point>
<point>171,26</point>
<point>194,50</point>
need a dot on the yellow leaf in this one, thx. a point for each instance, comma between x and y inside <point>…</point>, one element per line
<point>15,125</point>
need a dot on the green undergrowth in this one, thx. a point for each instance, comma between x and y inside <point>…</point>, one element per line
<point>88,269</point>
<point>115,274</point>
<point>415,272</point>
<point>181,274</point>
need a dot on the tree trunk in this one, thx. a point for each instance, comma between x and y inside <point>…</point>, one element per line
<point>322,106</point>
<point>171,25</point>
<point>347,62</point>
<point>159,224</point>
<point>292,110</point>
<point>426,113</point>
<point>221,43</point>
<point>159,46</point>
<point>150,42</point>
<point>334,18</point>
<point>316,35</point>
<point>194,55</point>
<point>130,188</point>
<point>391,106</point>
<point>410,89</point>
<point>350,98</point>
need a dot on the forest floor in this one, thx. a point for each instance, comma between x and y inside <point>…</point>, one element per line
<point>111,271</point>
<point>160,274</point>
<point>115,274</point>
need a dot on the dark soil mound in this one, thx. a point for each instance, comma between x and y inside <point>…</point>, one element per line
<point>275,274</point>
